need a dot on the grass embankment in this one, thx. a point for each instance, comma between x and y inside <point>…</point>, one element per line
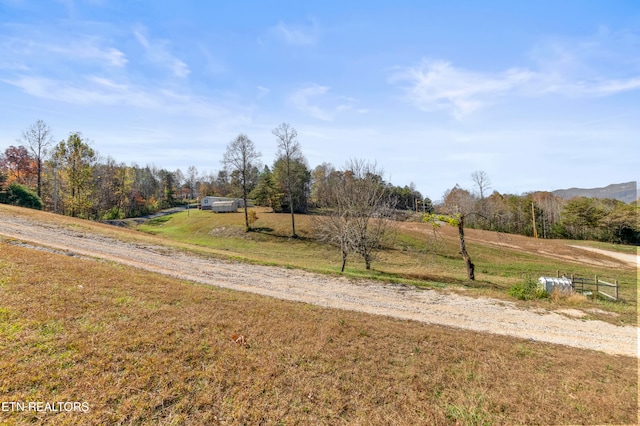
<point>419,256</point>
<point>142,348</point>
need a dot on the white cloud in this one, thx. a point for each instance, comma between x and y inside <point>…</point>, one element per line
<point>96,90</point>
<point>296,35</point>
<point>90,91</point>
<point>585,58</point>
<point>89,49</point>
<point>158,52</point>
<point>262,92</point>
<point>142,39</point>
<point>603,64</point>
<point>309,100</point>
<point>615,86</point>
<point>437,85</point>
<point>80,49</point>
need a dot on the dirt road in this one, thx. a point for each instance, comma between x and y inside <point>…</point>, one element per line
<point>430,306</point>
<point>630,259</point>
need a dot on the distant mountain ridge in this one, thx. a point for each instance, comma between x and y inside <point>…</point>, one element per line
<point>626,192</point>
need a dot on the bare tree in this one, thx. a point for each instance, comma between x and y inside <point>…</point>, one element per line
<point>482,181</point>
<point>289,151</point>
<point>38,136</point>
<point>192,178</point>
<point>358,221</point>
<point>240,157</point>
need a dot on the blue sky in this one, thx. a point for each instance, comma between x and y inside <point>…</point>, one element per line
<point>540,95</point>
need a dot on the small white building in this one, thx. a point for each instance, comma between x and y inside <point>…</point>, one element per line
<point>562,284</point>
<point>207,202</point>
<point>227,206</point>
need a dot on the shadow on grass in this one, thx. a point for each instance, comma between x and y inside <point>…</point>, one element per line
<point>270,232</point>
<point>263,230</point>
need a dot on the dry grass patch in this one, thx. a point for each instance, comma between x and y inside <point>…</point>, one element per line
<point>146,349</point>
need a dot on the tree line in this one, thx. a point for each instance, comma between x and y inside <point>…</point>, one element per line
<point>70,177</point>
<point>356,208</point>
<point>543,214</point>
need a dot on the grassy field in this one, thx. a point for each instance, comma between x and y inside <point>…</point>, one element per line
<point>419,257</point>
<point>141,348</point>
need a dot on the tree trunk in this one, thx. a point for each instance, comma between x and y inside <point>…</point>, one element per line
<point>246,212</point>
<point>463,251</point>
<point>293,222</point>
<point>39,176</point>
<point>367,258</point>
<point>344,259</point>
<point>247,228</point>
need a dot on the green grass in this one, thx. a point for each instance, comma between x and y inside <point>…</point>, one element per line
<point>418,257</point>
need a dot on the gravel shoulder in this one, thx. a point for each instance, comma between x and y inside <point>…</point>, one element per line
<point>400,301</point>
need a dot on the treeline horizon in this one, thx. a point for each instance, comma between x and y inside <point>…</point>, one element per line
<point>71,178</point>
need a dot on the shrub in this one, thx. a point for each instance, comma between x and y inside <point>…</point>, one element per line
<point>113,213</point>
<point>20,195</point>
<point>527,290</point>
<point>252,216</point>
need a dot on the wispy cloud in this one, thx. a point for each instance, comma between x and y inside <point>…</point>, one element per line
<point>262,91</point>
<point>158,52</point>
<point>90,49</point>
<point>212,64</point>
<point>33,47</point>
<point>571,68</point>
<point>89,91</point>
<point>605,52</point>
<point>92,90</point>
<point>437,85</point>
<point>315,101</point>
<point>296,35</point>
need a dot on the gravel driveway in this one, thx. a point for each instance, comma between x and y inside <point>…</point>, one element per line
<point>400,301</point>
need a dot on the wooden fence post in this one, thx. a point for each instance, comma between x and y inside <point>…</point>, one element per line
<point>616,282</point>
<point>595,295</point>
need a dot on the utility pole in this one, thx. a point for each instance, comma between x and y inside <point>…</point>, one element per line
<point>55,187</point>
<point>533,214</point>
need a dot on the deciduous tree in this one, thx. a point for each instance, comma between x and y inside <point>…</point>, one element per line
<point>482,182</point>
<point>458,206</point>
<point>266,191</point>
<point>358,221</point>
<point>18,165</point>
<point>38,136</point>
<point>299,184</point>
<point>75,159</point>
<point>241,156</point>
<point>456,220</point>
<point>289,152</point>
<point>322,177</point>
